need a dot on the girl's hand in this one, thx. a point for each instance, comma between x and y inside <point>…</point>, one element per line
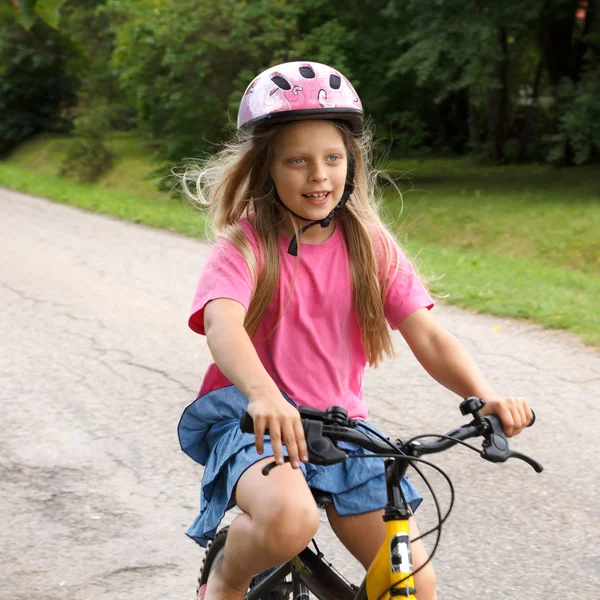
<point>283,421</point>
<point>514,413</point>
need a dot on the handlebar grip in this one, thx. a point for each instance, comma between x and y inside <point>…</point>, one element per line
<point>321,449</point>
<point>246,423</point>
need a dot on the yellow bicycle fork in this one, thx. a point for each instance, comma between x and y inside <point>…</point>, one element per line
<point>393,564</point>
<point>392,567</point>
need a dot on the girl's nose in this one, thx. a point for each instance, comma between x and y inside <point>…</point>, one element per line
<point>318,173</point>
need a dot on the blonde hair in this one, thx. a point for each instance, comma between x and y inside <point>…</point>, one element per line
<point>232,184</point>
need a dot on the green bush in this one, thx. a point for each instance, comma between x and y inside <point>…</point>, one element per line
<point>87,157</point>
<point>179,64</point>
<point>579,129</point>
<point>35,87</point>
<point>406,133</point>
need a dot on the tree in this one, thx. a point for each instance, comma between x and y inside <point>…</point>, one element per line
<point>184,65</point>
<point>47,10</point>
<point>35,87</point>
<point>571,43</point>
<point>510,79</point>
<point>486,47</point>
<point>456,46</point>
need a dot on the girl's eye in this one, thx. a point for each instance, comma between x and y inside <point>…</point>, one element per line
<point>300,160</point>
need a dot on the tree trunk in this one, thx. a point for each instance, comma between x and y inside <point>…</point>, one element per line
<point>497,101</point>
<point>557,23</point>
<point>583,43</point>
<point>531,112</point>
<point>557,33</point>
<point>473,122</point>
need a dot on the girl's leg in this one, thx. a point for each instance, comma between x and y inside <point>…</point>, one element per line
<point>280,518</point>
<point>363,535</point>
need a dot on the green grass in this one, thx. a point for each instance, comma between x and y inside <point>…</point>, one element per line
<point>529,211</point>
<point>133,172</point>
<point>165,213</point>
<point>513,287</point>
<point>518,241</point>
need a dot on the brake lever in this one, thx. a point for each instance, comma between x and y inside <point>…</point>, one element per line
<point>496,448</point>
<point>321,450</point>
<point>537,467</point>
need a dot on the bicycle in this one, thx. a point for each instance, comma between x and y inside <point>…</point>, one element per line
<point>391,573</point>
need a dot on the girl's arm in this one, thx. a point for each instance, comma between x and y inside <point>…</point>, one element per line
<point>236,357</point>
<point>443,357</point>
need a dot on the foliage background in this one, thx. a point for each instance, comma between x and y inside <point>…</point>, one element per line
<point>505,81</point>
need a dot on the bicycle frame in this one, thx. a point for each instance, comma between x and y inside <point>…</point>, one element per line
<point>391,573</point>
<point>311,570</point>
<point>391,567</point>
<point>393,564</point>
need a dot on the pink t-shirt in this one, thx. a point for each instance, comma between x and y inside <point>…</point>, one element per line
<point>315,354</point>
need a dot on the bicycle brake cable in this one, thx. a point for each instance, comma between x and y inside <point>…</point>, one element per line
<point>399,454</point>
<point>437,528</point>
<point>443,437</point>
<point>441,519</point>
<point>450,507</point>
<point>417,437</point>
<point>448,480</point>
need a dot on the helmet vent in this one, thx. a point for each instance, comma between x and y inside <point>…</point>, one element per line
<point>281,82</point>
<point>335,81</point>
<point>307,72</point>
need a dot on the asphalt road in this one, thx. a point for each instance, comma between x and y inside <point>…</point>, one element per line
<point>97,363</point>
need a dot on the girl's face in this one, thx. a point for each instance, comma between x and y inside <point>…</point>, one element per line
<point>309,172</point>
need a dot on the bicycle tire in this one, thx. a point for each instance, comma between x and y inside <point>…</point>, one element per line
<point>213,553</point>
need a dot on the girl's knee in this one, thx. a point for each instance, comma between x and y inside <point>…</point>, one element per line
<point>284,514</point>
<point>289,526</point>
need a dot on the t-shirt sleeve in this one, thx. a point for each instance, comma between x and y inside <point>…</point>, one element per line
<point>406,293</point>
<point>225,275</point>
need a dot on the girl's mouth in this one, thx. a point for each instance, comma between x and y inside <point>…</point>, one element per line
<point>317,199</point>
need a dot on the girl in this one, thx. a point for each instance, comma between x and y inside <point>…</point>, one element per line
<point>294,301</point>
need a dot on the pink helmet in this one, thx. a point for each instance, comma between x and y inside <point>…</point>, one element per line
<point>300,90</point>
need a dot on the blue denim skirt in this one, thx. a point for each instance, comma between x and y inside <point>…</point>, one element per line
<point>209,433</point>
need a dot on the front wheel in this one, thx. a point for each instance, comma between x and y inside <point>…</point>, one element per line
<point>215,551</point>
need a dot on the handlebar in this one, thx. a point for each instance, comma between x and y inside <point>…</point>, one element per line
<point>323,429</point>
